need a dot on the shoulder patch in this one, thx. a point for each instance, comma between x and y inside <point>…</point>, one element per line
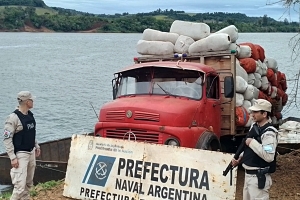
<point>268,148</point>
<point>6,134</point>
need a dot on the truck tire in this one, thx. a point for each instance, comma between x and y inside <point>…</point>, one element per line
<point>208,141</point>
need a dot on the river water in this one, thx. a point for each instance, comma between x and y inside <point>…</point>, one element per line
<point>68,72</point>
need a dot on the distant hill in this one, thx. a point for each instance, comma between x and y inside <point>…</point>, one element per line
<point>35,15</point>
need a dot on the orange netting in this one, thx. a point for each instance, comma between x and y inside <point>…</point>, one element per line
<point>261,52</point>
<point>241,116</point>
<point>254,52</point>
<point>248,64</point>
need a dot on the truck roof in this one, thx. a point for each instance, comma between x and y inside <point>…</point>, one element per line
<point>172,64</point>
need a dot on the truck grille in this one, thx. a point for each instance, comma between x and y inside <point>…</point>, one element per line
<point>141,135</point>
<point>115,115</point>
<point>146,116</point>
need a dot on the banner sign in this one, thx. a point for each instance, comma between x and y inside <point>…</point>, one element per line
<point>110,169</point>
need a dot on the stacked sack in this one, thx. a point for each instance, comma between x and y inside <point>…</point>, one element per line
<point>256,76</point>
<point>264,81</point>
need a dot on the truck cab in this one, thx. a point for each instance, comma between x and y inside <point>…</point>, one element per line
<point>171,101</point>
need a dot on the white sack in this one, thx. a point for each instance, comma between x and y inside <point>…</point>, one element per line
<point>183,43</point>
<point>232,31</point>
<point>154,35</point>
<point>264,69</point>
<point>255,93</point>
<point>245,52</point>
<point>194,30</point>
<point>154,47</point>
<point>264,83</point>
<point>239,99</point>
<point>240,71</point>
<point>251,79</point>
<point>274,120</point>
<point>250,122</point>
<point>234,46</point>
<point>249,93</point>
<point>241,85</point>
<point>214,42</point>
<point>247,105</point>
<point>257,81</point>
<point>271,63</point>
<point>279,105</point>
<point>274,92</point>
<point>258,67</point>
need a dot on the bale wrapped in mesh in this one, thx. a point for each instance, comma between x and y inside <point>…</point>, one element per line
<point>279,106</point>
<point>269,90</point>
<point>280,92</point>
<point>258,80</point>
<point>258,67</point>
<point>241,85</point>
<point>278,115</point>
<point>241,116</point>
<point>239,99</point>
<point>264,68</point>
<point>271,77</point>
<point>284,99</point>
<point>155,47</point>
<point>248,64</point>
<point>273,92</point>
<point>264,83</point>
<point>194,30</point>
<point>255,93</point>
<point>261,52</point>
<point>245,52</point>
<point>250,122</point>
<point>183,43</point>
<point>247,104</point>
<point>155,35</point>
<point>241,71</point>
<point>214,42</point>
<point>232,31</point>
<point>251,78</point>
<point>254,52</point>
<point>283,83</point>
<point>262,95</point>
<point>271,64</point>
<point>249,93</point>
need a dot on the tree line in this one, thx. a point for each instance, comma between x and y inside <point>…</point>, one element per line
<point>14,18</point>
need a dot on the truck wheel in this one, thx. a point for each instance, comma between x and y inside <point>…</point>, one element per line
<point>208,141</point>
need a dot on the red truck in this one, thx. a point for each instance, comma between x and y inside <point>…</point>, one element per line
<point>181,101</point>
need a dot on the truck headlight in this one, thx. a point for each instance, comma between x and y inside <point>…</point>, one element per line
<point>172,142</point>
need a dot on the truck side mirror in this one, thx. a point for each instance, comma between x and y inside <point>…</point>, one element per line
<point>114,87</point>
<point>228,87</point>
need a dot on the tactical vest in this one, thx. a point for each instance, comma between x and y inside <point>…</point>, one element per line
<point>24,140</point>
<point>251,158</point>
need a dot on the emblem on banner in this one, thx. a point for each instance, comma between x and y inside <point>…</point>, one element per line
<point>98,170</point>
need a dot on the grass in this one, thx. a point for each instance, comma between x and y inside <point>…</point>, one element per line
<point>35,190</point>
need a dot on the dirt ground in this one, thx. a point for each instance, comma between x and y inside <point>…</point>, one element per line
<point>286,181</point>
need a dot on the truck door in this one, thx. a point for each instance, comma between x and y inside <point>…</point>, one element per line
<point>212,103</point>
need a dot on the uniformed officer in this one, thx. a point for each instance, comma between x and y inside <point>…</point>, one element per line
<point>259,153</point>
<point>21,145</point>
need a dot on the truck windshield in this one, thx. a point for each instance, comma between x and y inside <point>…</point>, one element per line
<point>161,81</point>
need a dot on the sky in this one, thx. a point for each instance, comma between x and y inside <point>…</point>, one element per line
<point>255,8</point>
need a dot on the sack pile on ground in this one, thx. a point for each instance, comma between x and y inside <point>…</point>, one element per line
<point>257,76</point>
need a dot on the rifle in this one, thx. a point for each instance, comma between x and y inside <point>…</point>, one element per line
<point>240,149</point>
<point>230,167</point>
